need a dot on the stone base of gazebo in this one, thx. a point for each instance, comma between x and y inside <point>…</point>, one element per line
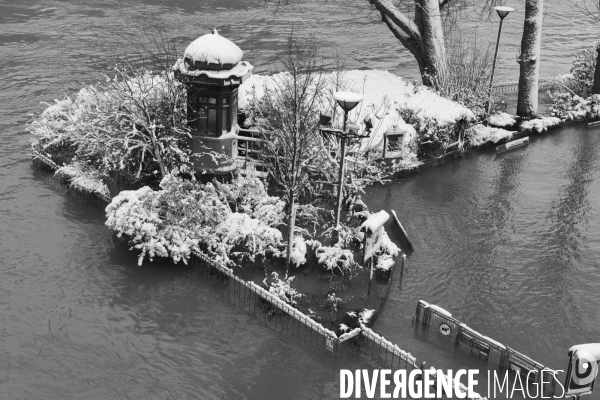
<point>214,155</point>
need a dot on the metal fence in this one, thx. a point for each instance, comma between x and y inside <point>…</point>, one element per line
<point>440,324</point>
<point>511,89</point>
<point>278,315</point>
<point>62,184</point>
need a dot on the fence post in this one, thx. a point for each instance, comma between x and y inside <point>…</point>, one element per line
<point>402,267</point>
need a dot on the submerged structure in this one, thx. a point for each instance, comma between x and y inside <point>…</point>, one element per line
<point>212,70</point>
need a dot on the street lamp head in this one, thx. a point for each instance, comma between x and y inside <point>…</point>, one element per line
<point>347,100</point>
<point>503,11</point>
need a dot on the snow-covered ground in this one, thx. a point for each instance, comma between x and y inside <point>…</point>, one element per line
<point>384,94</point>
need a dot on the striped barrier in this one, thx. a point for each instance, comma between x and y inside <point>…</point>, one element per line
<point>512,88</point>
<point>442,324</point>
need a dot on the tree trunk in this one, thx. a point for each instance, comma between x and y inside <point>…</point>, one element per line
<point>423,37</point>
<point>529,59</point>
<point>292,223</point>
<point>596,88</point>
<point>433,45</point>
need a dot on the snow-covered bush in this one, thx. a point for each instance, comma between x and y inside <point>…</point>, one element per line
<point>385,262</point>
<point>387,246</point>
<point>310,216</point>
<point>365,317</point>
<point>480,134</point>
<point>570,107</point>
<point>134,122</point>
<point>282,288</point>
<point>335,257</point>
<point>540,125</point>
<point>241,238</point>
<point>249,195</point>
<point>436,132</point>
<point>346,236</point>
<point>501,120</point>
<point>385,256</point>
<point>185,216</point>
<point>333,302</point>
<point>298,256</point>
<point>578,102</point>
<point>583,69</point>
<point>83,178</point>
<point>171,222</point>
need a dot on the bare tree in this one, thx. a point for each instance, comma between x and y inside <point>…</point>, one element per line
<point>132,124</point>
<point>287,115</point>
<point>589,7</point>
<point>422,33</point>
<point>423,36</point>
<point>529,59</point>
<point>143,116</point>
<point>467,74</point>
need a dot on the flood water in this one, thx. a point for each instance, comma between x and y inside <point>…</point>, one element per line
<point>508,244</point>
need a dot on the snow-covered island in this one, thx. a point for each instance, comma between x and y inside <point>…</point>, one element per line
<point>186,152</point>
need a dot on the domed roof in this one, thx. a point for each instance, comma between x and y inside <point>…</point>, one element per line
<point>213,49</point>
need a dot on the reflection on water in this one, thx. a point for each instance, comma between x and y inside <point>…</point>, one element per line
<point>569,210</point>
<point>509,244</point>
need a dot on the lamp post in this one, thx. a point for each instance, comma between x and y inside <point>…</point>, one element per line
<point>346,100</point>
<point>502,13</point>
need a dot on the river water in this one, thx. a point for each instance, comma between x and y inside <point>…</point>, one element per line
<point>509,244</point>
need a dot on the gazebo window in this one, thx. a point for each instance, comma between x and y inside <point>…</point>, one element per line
<point>202,112</point>
<point>211,113</point>
<point>207,116</point>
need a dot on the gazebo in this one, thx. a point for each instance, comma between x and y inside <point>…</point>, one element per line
<point>212,70</point>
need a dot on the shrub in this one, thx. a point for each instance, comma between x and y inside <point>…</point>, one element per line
<point>570,107</point>
<point>583,71</point>
<point>186,216</point>
<point>333,302</point>
<point>240,238</point>
<point>335,257</point>
<point>83,178</point>
<point>171,222</point>
<point>466,77</point>
<point>282,288</point>
<point>134,122</point>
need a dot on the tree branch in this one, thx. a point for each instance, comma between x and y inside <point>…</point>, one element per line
<point>407,41</point>
<point>400,20</point>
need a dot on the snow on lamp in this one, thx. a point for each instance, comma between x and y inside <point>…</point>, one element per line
<point>347,100</point>
<point>503,11</point>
